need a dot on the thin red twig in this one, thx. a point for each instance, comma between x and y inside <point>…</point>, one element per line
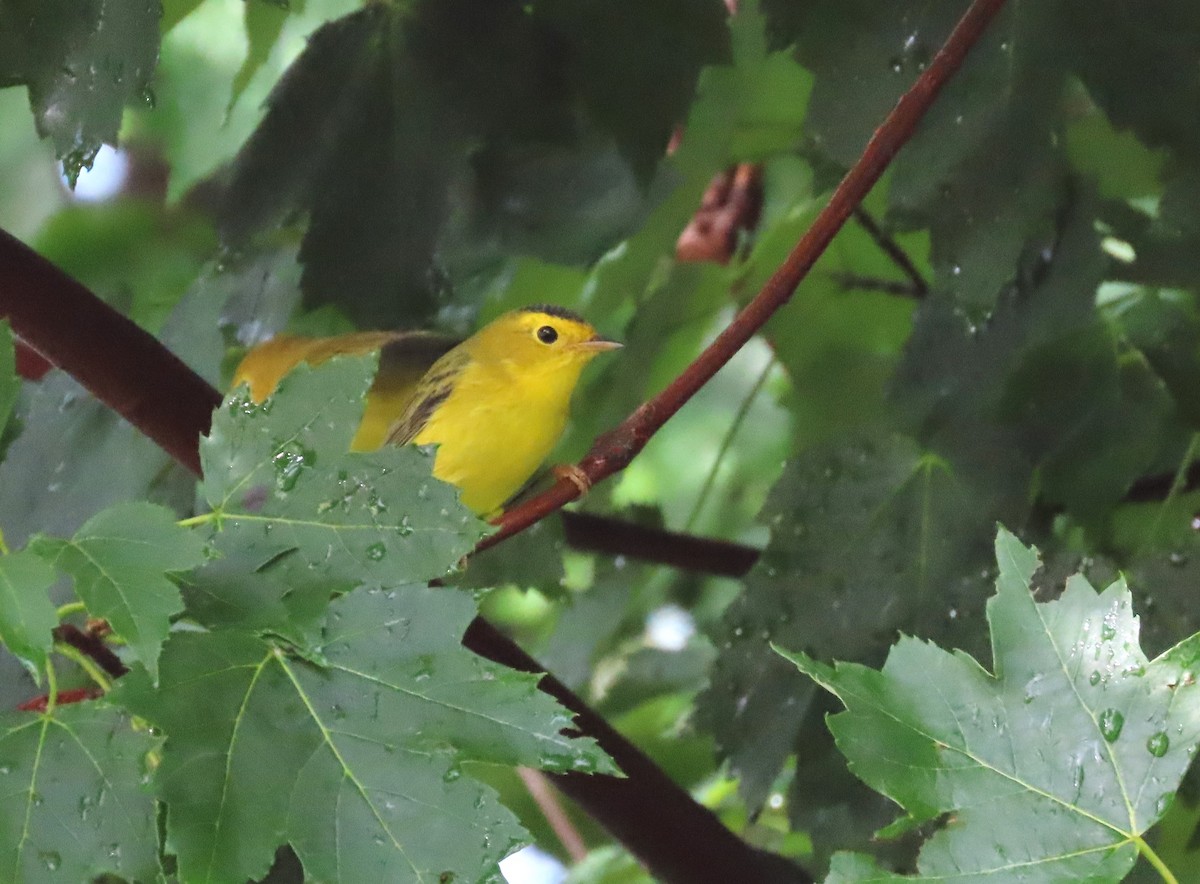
<point>613,450</point>
<point>556,815</point>
<point>72,695</point>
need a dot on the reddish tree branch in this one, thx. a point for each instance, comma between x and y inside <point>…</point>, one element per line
<point>92,645</point>
<point>592,533</point>
<point>121,364</point>
<point>656,812</point>
<point>613,450</point>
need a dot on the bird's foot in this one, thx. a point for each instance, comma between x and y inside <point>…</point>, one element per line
<point>574,475</point>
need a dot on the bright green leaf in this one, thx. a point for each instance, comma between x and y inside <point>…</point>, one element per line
<point>281,484</point>
<point>1076,730</point>
<point>26,613</point>
<point>264,23</point>
<point>357,764</point>
<point>73,805</point>
<point>119,561</point>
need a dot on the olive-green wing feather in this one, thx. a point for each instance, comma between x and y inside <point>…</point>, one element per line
<point>434,389</point>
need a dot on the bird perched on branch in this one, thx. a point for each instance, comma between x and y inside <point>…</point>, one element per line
<point>495,404</point>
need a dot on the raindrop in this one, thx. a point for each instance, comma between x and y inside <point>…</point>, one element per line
<point>50,859</point>
<point>77,161</point>
<point>1111,721</point>
<point>1158,744</point>
<point>1094,678</point>
<point>376,552</point>
<point>289,462</point>
<point>1177,559</point>
<point>451,774</point>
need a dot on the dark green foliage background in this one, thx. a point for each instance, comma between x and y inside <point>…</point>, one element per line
<point>391,164</point>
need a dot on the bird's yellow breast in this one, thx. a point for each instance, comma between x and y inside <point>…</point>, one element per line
<point>496,428</point>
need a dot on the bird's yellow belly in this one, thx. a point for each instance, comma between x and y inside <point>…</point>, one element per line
<point>490,452</point>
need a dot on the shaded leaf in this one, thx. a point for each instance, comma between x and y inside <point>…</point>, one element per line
<point>627,53</point>
<point>1076,729</point>
<point>1133,66</point>
<point>119,561</point>
<point>424,141</point>
<point>866,539</point>
<point>83,63</point>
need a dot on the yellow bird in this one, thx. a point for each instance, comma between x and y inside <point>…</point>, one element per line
<point>495,404</point>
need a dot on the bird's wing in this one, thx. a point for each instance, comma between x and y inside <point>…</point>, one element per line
<point>434,389</point>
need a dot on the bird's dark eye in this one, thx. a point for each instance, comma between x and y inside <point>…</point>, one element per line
<point>547,335</point>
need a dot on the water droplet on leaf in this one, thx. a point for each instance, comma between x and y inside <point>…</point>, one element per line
<point>289,461</point>
<point>1111,721</point>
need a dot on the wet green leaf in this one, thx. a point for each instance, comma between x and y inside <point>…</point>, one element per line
<point>357,763</point>
<point>83,63</point>
<point>1076,730</point>
<point>120,561</point>
<point>282,486</point>
<point>72,801</point>
<point>26,613</point>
